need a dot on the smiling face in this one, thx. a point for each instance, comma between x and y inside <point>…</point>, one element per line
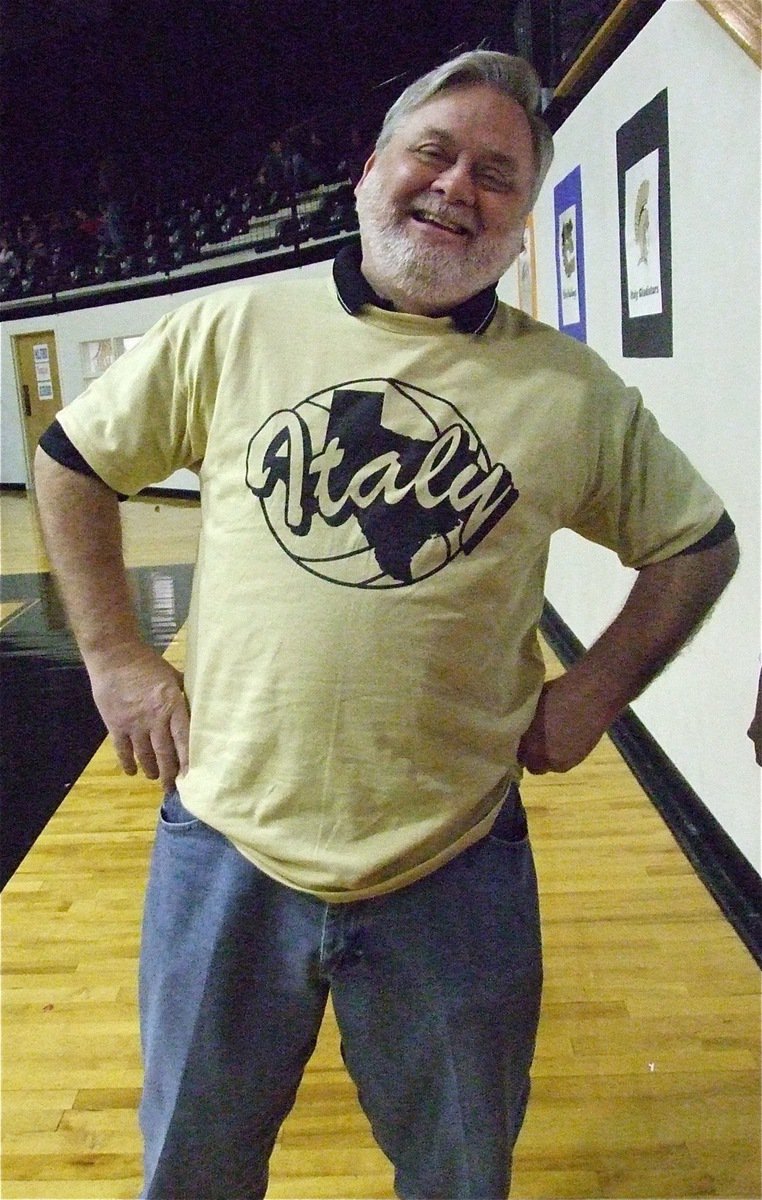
<point>443,204</point>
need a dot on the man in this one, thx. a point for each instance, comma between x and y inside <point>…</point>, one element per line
<point>383,459</point>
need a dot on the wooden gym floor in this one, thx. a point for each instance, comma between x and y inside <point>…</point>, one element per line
<point>647,1075</point>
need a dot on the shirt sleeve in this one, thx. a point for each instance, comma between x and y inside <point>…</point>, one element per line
<point>148,415</point>
<point>57,446</point>
<point>646,500</point>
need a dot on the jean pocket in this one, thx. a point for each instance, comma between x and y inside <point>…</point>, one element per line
<point>174,815</point>
<point>510,827</point>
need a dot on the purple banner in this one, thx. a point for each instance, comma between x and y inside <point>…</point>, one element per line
<point>570,256</point>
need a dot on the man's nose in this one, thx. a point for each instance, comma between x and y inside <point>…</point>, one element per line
<point>455,184</point>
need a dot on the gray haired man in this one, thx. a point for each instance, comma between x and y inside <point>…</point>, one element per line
<point>383,459</point>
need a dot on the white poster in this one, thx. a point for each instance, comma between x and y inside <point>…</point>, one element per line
<point>97,357</point>
<point>45,391</point>
<point>566,241</point>
<point>41,352</point>
<point>42,370</point>
<point>642,237</point>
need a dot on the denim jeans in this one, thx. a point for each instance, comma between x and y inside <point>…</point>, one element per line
<point>436,990</point>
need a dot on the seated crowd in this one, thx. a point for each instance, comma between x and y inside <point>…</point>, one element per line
<point>297,193</point>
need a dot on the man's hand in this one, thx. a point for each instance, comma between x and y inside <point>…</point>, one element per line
<point>140,697</point>
<point>562,732</point>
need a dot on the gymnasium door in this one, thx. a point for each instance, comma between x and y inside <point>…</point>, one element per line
<point>39,387</point>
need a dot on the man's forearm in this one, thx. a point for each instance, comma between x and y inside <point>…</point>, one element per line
<point>666,606</point>
<point>138,694</point>
<point>82,531</point>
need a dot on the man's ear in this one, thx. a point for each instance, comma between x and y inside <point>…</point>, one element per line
<point>365,171</point>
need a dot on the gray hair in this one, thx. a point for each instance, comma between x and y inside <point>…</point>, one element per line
<point>513,76</point>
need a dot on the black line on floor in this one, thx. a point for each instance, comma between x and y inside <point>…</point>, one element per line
<point>50,726</point>
<point>720,865</point>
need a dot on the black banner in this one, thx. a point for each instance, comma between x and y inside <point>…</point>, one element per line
<point>645,233</point>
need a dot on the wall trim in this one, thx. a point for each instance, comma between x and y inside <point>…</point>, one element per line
<point>742,20</point>
<point>723,869</point>
<point>165,493</point>
<point>147,493</point>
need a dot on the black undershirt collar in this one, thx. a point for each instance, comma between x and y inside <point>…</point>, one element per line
<point>472,316</point>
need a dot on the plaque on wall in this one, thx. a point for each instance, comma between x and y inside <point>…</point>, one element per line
<point>570,256</point>
<point>527,271</point>
<point>645,235</point>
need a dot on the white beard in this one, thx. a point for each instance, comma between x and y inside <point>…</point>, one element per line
<point>432,276</point>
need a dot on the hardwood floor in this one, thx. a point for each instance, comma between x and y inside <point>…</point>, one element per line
<point>647,1075</point>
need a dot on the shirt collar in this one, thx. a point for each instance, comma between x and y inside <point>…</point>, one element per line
<point>472,316</point>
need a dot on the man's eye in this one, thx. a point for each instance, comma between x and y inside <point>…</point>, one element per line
<point>431,153</point>
<point>495,181</point>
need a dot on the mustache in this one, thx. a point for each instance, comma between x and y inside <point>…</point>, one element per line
<point>441,210</point>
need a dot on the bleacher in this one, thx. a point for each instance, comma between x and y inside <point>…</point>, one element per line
<point>191,233</point>
<point>238,228</point>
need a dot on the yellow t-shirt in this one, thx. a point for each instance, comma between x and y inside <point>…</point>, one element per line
<point>378,492</point>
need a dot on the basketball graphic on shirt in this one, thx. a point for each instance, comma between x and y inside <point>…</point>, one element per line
<point>375,483</point>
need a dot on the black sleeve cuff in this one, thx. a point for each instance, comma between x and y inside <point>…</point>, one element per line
<point>55,442</point>
<point>724,529</point>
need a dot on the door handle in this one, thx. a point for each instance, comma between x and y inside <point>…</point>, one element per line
<point>27,401</point>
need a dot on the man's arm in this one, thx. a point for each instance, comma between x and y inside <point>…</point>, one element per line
<point>666,606</point>
<point>138,694</point>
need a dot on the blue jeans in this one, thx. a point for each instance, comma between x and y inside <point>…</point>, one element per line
<point>436,990</point>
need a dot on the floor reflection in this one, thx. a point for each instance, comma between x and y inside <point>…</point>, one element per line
<point>50,727</point>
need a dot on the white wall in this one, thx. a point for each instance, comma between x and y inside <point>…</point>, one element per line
<point>126,319</point>
<point>707,396</point>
